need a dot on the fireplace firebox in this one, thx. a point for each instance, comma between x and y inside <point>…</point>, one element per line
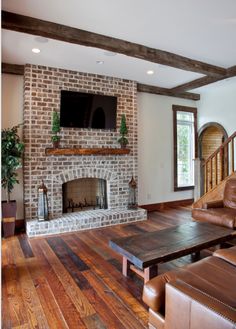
<point>84,194</point>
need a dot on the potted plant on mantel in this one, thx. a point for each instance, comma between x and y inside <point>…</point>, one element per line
<point>12,152</point>
<point>123,131</point>
<point>55,129</point>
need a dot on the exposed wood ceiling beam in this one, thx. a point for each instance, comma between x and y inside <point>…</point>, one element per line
<point>13,68</point>
<point>19,70</point>
<point>166,92</point>
<point>195,84</point>
<point>34,26</point>
<point>230,72</point>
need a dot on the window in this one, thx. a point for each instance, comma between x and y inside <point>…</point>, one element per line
<point>185,120</point>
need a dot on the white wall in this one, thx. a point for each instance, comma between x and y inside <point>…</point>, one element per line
<point>155,149</point>
<point>12,114</point>
<point>155,133</point>
<point>218,104</point>
<point>155,136</point>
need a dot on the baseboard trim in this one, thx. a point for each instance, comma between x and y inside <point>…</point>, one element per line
<point>163,205</point>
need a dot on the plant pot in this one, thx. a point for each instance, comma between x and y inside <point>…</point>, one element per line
<point>56,144</point>
<point>123,146</point>
<point>8,218</point>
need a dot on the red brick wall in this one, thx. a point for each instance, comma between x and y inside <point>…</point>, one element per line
<point>41,97</point>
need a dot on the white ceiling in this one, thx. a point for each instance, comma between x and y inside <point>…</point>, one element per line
<point>204,30</point>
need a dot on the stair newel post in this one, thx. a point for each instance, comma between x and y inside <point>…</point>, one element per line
<point>206,176</point>
<point>211,174</point>
<point>226,161</point>
<point>216,169</point>
<point>221,163</point>
<point>232,155</point>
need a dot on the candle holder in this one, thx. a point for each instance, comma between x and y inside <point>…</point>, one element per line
<point>42,202</point>
<point>132,204</point>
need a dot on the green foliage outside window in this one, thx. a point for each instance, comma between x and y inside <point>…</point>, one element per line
<point>184,153</point>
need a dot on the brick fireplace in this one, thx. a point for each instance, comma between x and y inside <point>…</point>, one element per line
<point>41,96</point>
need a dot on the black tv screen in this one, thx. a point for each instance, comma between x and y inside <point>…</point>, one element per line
<point>84,110</point>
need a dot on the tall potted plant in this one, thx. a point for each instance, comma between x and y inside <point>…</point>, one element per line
<point>12,152</point>
<point>123,131</point>
<point>55,129</point>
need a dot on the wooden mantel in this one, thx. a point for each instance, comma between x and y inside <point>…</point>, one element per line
<point>86,151</point>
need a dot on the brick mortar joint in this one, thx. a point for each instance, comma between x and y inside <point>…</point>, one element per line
<point>124,89</point>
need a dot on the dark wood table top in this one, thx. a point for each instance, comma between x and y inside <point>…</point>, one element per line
<point>146,249</point>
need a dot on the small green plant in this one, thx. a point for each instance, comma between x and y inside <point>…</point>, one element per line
<point>55,126</point>
<point>123,131</point>
<point>12,152</point>
<point>55,138</point>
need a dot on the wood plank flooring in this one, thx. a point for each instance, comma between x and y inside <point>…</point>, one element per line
<point>75,280</point>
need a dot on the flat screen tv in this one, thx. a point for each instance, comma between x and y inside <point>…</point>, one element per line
<point>85,110</point>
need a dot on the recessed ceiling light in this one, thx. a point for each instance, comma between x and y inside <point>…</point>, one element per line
<point>36,50</point>
<point>150,72</point>
<point>99,62</point>
<point>41,39</point>
<point>110,53</point>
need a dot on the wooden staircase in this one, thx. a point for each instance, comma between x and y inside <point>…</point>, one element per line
<point>216,170</point>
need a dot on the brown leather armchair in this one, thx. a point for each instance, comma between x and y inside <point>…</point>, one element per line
<point>220,212</point>
<point>200,295</point>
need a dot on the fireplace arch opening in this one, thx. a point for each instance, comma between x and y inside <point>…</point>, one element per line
<point>84,194</point>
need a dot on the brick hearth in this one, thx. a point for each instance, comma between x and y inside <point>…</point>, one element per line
<point>85,220</point>
<point>42,96</point>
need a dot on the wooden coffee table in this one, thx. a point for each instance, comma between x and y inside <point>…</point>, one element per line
<point>143,252</point>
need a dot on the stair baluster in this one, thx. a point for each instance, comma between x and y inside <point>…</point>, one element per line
<point>223,162</point>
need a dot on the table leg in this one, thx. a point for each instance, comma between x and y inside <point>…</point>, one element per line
<point>226,244</point>
<point>125,266</point>
<point>195,256</point>
<point>150,272</point>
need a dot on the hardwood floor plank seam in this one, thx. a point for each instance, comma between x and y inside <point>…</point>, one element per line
<point>66,305</point>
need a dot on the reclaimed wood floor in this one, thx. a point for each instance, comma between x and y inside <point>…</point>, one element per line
<point>74,280</point>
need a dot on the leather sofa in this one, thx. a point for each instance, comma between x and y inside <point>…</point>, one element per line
<point>220,212</point>
<point>201,295</point>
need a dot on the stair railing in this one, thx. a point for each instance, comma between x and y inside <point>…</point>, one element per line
<point>219,164</point>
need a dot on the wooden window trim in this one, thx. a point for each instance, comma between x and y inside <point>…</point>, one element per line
<point>193,110</point>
